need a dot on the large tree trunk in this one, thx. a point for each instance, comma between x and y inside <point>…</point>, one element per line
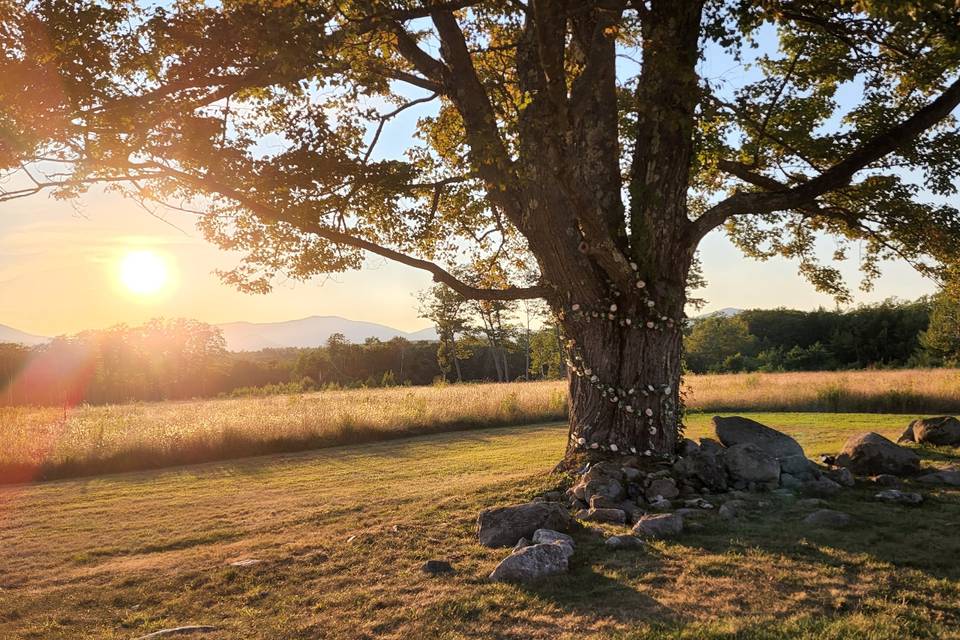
<point>624,380</point>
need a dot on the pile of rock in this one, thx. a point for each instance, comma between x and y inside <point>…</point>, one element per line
<point>940,431</point>
<point>658,497</point>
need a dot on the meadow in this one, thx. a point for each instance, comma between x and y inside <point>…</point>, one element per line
<point>56,442</point>
<point>330,543</point>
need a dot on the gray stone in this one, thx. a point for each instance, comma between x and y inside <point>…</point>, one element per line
<point>532,563</point>
<point>822,488</point>
<point>553,496</point>
<point>949,477</point>
<point>622,543</point>
<point>611,516</point>
<point>521,543</point>
<point>692,512</point>
<point>843,476</point>
<point>633,510</point>
<point>603,502</point>
<point>503,526</point>
<point>709,445</point>
<point>542,536</point>
<point>790,482</point>
<point>784,493</point>
<point>697,503</point>
<point>704,467</point>
<point>939,431</point>
<point>632,474</point>
<point>899,497</point>
<point>799,467</point>
<point>437,567</point>
<point>827,519</point>
<point>748,463</point>
<point>687,448</point>
<point>604,479</point>
<point>733,509</point>
<point>886,480</point>
<point>660,504</point>
<point>666,525</point>
<point>735,430</point>
<point>663,487</point>
<point>870,454</point>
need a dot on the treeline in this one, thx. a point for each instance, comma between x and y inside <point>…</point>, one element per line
<point>891,334</point>
<point>182,359</point>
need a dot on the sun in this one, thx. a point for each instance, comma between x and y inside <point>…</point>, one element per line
<point>143,272</point>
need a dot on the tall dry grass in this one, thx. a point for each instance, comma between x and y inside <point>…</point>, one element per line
<point>923,391</point>
<point>52,443</point>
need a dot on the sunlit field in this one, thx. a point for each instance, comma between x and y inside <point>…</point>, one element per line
<point>56,442</point>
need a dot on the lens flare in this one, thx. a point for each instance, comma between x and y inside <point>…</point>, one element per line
<point>143,272</point>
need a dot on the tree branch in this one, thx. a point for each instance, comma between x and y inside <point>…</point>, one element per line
<point>839,175</point>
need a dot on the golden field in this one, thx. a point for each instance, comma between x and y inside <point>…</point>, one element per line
<point>48,442</point>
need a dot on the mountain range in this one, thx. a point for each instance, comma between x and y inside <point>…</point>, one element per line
<point>253,336</point>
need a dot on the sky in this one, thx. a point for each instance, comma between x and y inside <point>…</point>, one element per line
<point>60,267</point>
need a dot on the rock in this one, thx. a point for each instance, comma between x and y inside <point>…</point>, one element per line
<point>437,567</point>
<point>949,477</point>
<point>899,497</point>
<point>784,493</point>
<point>521,543</point>
<point>704,467</point>
<point>811,503</point>
<point>553,496</point>
<point>543,536</point>
<point>822,488</point>
<point>828,519</point>
<point>870,454</point>
<point>709,445</point>
<point>697,503</point>
<point>940,431</point>
<point>632,474</point>
<point>746,463</point>
<point>736,430</point>
<point>662,487</point>
<point>620,543</point>
<point>634,511</point>
<point>661,504</point>
<point>799,467</point>
<point>732,509</point>
<point>843,477</point>
<point>790,482</point>
<point>687,448</point>
<point>886,480</point>
<point>598,501</point>
<point>503,526</point>
<point>178,631</point>
<point>665,525</point>
<point>604,479</point>
<point>611,516</point>
<point>532,563</point>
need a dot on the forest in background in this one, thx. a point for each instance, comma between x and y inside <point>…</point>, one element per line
<point>182,359</point>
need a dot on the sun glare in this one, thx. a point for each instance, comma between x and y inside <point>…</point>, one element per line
<point>143,272</point>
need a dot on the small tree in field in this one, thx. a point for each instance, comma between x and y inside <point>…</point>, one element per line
<point>578,140</point>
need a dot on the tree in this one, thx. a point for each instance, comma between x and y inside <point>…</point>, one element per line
<point>942,336</point>
<point>575,140</point>
<point>714,340</point>
<point>446,309</point>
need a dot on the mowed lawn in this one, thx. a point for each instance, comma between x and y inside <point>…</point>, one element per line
<point>340,535</point>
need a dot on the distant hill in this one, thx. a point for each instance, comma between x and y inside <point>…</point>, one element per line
<point>9,334</point>
<point>309,332</point>
<point>726,312</point>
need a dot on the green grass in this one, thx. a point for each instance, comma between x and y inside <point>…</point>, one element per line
<point>342,532</point>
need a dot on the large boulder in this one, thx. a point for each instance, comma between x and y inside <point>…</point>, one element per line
<point>949,477</point>
<point>736,430</point>
<point>870,454</point>
<point>663,488</point>
<point>533,563</point>
<point>749,464</point>
<point>827,519</point>
<point>940,431</point>
<point>503,526</point>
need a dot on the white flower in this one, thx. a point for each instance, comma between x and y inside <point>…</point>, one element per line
<point>650,325</point>
<point>581,441</point>
<point>627,320</point>
<point>575,307</point>
<point>653,431</point>
<point>613,447</point>
<point>613,307</point>
<point>628,409</point>
<point>648,452</point>
<point>594,445</point>
<point>588,371</point>
<point>614,399</point>
<point>651,303</point>
<point>594,378</point>
<point>633,265</point>
<point>641,284</point>
<point>666,390</point>
<point>633,449</point>
<point>648,411</point>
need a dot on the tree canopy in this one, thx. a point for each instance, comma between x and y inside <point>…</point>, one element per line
<point>266,117</point>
